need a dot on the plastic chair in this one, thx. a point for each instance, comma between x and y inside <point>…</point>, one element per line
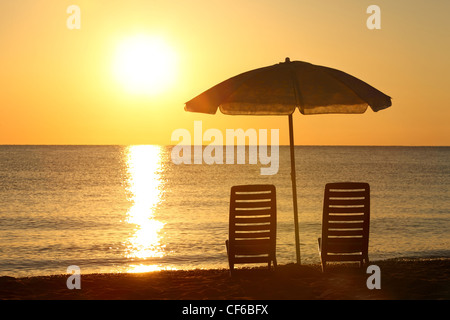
<point>252,225</point>
<point>345,223</point>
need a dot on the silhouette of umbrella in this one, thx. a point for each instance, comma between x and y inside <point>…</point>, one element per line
<point>280,89</point>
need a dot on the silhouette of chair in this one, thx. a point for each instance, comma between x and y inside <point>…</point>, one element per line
<point>252,226</point>
<point>345,223</point>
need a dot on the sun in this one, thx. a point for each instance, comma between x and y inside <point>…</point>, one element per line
<point>145,65</point>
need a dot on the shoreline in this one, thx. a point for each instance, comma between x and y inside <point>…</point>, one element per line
<point>400,279</point>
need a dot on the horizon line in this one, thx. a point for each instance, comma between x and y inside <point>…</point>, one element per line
<point>203,145</point>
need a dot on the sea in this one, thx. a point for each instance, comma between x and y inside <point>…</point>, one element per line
<point>121,209</point>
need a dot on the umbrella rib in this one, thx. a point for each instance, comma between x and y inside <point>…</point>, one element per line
<point>297,93</point>
<point>345,84</point>
<point>251,74</point>
<point>325,69</point>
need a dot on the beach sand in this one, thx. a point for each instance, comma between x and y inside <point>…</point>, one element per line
<point>400,279</point>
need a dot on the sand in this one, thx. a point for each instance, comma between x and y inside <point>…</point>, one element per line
<point>421,279</point>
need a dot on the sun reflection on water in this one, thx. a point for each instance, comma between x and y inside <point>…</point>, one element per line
<point>145,186</point>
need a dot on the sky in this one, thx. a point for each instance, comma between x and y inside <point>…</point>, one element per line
<point>72,77</point>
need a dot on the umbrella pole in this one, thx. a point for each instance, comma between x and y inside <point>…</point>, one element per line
<point>294,188</point>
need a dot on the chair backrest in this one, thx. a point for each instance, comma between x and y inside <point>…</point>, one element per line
<point>252,227</point>
<point>346,218</point>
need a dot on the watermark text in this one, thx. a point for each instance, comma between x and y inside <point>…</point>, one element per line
<point>213,153</point>
<point>74,281</point>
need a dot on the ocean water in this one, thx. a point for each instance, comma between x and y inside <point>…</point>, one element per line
<point>131,209</point>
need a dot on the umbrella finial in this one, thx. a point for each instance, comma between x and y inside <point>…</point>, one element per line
<point>287,60</point>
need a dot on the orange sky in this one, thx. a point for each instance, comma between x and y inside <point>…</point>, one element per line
<point>58,86</point>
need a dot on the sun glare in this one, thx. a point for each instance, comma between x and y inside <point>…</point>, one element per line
<point>145,64</point>
<point>145,186</point>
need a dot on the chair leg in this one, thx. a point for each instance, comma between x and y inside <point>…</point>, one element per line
<point>231,269</point>
<point>230,259</point>
<point>272,259</point>
<point>365,261</point>
<point>322,260</point>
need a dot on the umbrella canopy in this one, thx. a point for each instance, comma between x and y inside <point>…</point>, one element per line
<point>280,89</point>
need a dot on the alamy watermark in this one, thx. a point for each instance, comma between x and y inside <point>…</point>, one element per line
<point>74,281</point>
<point>374,280</point>
<point>74,20</point>
<point>374,20</point>
<point>213,153</point>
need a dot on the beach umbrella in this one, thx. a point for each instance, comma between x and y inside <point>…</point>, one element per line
<point>281,88</point>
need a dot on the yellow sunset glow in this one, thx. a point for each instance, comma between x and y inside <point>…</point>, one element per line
<point>124,75</point>
<point>144,64</point>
